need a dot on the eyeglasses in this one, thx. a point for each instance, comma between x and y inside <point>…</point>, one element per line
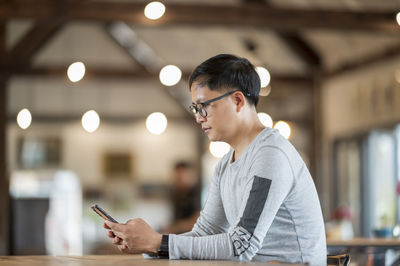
<point>200,108</point>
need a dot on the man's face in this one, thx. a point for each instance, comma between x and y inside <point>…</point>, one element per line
<point>215,125</point>
<point>185,178</point>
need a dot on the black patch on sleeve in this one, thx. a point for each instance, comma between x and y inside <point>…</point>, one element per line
<point>255,203</point>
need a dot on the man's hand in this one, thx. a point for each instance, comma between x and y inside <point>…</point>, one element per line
<point>134,237</point>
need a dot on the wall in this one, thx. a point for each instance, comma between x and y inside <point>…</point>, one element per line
<point>354,103</point>
<point>152,155</point>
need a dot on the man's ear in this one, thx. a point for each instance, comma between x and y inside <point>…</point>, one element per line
<point>239,100</point>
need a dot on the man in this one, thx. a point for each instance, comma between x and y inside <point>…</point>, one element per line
<point>185,198</point>
<point>262,203</point>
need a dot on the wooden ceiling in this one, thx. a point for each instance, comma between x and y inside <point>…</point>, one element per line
<point>289,23</point>
<point>246,13</point>
<point>296,24</point>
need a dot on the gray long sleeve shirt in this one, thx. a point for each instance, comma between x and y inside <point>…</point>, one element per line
<point>262,207</point>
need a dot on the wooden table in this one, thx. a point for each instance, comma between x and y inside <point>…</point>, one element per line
<point>115,260</point>
<point>364,242</point>
<point>373,249</point>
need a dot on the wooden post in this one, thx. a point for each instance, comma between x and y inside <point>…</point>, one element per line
<point>316,139</point>
<point>4,192</point>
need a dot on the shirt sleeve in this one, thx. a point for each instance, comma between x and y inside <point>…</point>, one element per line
<point>269,181</point>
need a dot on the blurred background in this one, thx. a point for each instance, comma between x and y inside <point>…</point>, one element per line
<point>94,97</point>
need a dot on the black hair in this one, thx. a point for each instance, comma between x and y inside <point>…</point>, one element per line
<point>183,164</point>
<point>226,71</point>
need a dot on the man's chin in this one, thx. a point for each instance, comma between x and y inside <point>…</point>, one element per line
<point>211,138</point>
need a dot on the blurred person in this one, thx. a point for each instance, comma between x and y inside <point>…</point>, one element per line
<point>185,198</point>
<point>262,203</point>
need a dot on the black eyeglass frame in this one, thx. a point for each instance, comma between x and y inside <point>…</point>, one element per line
<point>194,107</point>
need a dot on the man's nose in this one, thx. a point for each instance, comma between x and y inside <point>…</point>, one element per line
<point>199,118</point>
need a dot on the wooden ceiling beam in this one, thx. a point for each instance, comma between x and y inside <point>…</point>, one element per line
<point>90,73</point>
<point>296,43</point>
<point>101,73</point>
<point>385,55</point>
<point>55,118</point>
<point>302,49</point>
<point>33,40</point>
<point>254,15</point>
<point>147,58</point>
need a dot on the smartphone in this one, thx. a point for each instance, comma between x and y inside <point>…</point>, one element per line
<point>103,213</point>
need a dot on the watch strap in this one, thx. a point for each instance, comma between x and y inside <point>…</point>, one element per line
<point>163,250</point>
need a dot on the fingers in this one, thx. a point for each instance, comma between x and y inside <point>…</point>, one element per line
<point>116,228</point>
<point>117,241</point>
<point>106,226</point>
<point>119,234</point>
<point>110,225</point>
<point>116,236</point>
<point>110,234</point>
<point>123,248</point>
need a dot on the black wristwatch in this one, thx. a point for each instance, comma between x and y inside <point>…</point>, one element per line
<point>163,250</point>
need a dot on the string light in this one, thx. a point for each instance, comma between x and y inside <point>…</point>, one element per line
<point>218,148</point>
<point>76,71</point>
<point>284,128</point>
<point>24,118</point>
<point>170,75</point>
<point>264,75</point>
<point>90,121</point>
<point>265,119</point>
<point>154,10</point>
<point>156,123</point>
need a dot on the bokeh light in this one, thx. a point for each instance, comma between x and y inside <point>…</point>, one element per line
<point>170,75</point>
<point>264,75</point>
<point>154,10</point>
<point>24,118</point>
<point>219,148</point>
<point>265,119</point>
<point>76,71</point>
<point>90,121</point>
<point>156,123</point>
<point>284,128</point>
